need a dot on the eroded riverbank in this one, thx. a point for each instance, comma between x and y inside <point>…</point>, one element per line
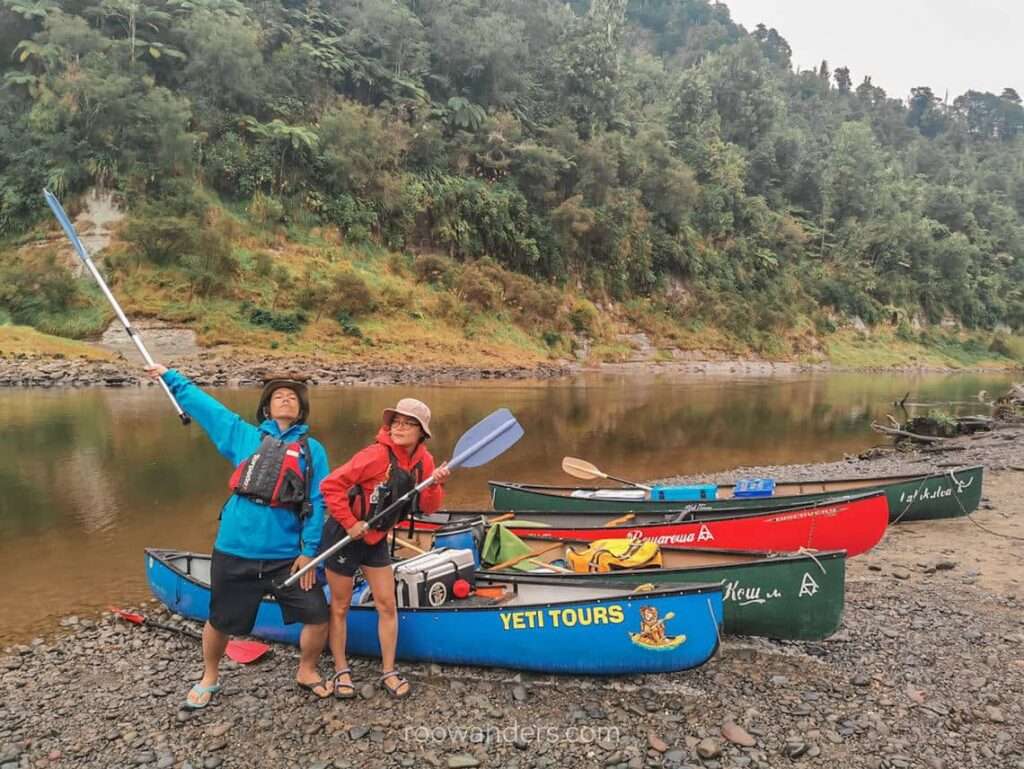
<point>927,671</point>
<point>214,370</point>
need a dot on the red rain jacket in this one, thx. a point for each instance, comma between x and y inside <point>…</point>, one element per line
<point>368,468</point>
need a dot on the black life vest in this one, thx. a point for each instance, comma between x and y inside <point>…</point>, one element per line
<point>397,484</point>
<point>273,475</point>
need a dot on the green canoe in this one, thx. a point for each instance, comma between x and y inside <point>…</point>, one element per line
<point>797,596</point>
<point>911,497</point>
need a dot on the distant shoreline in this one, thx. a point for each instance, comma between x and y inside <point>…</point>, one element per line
<point>218,370</point>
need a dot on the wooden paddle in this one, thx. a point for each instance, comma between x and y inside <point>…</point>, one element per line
<point>579,468</point>
<point>239,651</point>
<point>526,556</point>
<point>619,521</point>
<point>501,518</point>
<point>407,544</point>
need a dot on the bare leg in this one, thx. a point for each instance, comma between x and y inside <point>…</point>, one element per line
<point>382,585</point>
<point>214,644</point>
<point>341,598</point>
<point>311,646</point>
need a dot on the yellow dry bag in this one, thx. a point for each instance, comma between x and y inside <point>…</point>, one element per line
<point>614,555</point>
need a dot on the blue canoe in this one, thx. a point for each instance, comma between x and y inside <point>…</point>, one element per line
<point>540,624</point>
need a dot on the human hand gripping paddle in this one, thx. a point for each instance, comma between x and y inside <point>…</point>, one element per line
<point>69,230</point>
<point>578,468</point>
<point>487,439</point>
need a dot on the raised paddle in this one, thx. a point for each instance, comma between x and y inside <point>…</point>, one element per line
<point>239,651</point>
<point>69,230</point>
<point>487,439</point>
<point>579,468</point>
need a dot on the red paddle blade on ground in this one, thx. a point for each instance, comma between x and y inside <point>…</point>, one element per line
<point>243,652</point>
<point>130,616</point>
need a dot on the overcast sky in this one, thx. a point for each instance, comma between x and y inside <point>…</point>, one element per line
<point>952,44</point>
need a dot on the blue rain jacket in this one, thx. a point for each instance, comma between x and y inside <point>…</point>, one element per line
<point>249,529</point>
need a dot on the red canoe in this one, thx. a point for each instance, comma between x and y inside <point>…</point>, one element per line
<point>854,523</point>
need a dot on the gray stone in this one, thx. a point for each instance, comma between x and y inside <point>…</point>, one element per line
<point>737,734</point>
<point>462,761</point>
<point>709,748</point>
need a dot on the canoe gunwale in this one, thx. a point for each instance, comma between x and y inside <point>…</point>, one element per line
<point>881,480</point>
<point>163,554</point>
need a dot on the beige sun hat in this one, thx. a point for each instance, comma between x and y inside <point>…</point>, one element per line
<point>410,407</point>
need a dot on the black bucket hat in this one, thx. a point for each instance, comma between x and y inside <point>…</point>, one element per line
<point>296,384</point>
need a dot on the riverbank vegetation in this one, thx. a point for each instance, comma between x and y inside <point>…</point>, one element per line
<point>532,177</point>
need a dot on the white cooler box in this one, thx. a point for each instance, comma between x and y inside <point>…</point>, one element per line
<point>427,579</point>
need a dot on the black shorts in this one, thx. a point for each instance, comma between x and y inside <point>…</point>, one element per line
<point>237,585</point>
<point>354,554</point>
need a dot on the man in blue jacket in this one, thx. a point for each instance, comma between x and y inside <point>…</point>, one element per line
<point>264,534</point>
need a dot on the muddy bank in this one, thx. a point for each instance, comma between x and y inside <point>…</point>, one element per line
<point>213,370</point>
<point>926,672</point>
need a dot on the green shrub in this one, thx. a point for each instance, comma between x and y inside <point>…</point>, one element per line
<point>352,295</point>
<point>583,316</point>
<point>552,338</point>
<point>433,269</point>
<point>266,210</point>
<point>287,322</point>
<point>348,324</point>
<point>264,264</point>
<point>39,290</point>
<point>163,240</point>
<point>477,289</point>
<point>213,265</point>
<point>1000,346</point>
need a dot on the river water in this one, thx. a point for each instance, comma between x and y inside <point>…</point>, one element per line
<point>91,477</point>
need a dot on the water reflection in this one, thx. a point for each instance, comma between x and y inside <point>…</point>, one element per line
<point>92,477</point>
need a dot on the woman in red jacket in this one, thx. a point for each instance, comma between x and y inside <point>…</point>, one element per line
<point>367,483</point>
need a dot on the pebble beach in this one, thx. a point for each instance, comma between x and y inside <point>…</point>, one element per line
<point>927,671</point>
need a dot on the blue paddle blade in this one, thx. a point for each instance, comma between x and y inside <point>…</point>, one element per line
<point>487,439</point>
<point>65,223</point>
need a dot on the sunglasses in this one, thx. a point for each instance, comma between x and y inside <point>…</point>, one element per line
<point>396,422</point>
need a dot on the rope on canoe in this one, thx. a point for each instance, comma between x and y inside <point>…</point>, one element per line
<point>714,621</point>
<point>913,497</point>
<point>810,554</point>
<point>980,526</point>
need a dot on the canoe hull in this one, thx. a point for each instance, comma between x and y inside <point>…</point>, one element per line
<point>793,598</point>
<point>854,524</point>
<point>584,637</point>
<point>912,498</point>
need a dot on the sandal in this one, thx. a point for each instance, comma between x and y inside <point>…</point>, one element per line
<point>199,696</point>
<point>394,691</point>
<point>322,683</point>
<point>342,690</point>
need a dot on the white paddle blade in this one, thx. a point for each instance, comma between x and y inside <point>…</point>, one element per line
<point>487,439</point>
<point>578,468</point>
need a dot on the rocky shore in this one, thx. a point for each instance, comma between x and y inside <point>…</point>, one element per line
<point>927,672</point>
<point>214,370</point>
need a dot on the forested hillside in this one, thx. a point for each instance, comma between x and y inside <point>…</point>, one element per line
<point>647,151</point>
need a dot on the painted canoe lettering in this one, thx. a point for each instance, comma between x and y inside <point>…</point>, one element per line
<point>808,587</point>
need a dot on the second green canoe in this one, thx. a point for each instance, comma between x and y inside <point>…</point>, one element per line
<point>797,596</point>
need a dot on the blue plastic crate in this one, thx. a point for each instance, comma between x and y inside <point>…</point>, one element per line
<point>694,493</point>
<point>754,487</point>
